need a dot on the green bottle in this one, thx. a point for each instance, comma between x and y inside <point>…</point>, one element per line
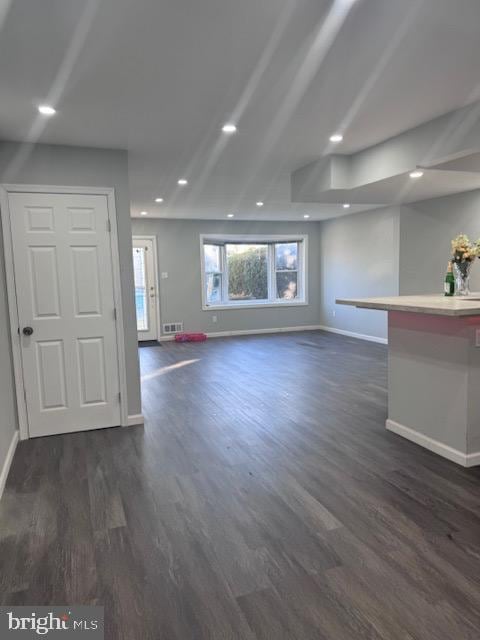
<point>449,286</point>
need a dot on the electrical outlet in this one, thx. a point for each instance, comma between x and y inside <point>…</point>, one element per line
<point>334,313</point>
<point>214,318</point>
<point>164,275</point>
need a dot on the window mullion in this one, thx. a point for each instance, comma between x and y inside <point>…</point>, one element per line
<point>271,272</point>
<point>224,275</point>
<point>301,266</point>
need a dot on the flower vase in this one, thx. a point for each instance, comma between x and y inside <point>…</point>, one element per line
<point>462,277</point>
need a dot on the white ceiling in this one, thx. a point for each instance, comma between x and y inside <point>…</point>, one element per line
<point>401,189</point>
<point>160,78</point>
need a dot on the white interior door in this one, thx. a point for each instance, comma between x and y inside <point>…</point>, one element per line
<point>144,270</point>
<point>65,299</point>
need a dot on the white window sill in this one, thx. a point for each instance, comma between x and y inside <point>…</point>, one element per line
<point>255,305</point>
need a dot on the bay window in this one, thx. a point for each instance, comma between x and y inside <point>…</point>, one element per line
<point>246,271</point>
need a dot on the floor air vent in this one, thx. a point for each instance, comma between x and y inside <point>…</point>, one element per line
<point>173,327</point>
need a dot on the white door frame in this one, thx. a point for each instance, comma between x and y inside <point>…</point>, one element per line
<point>5,190</point>
<point>155,277</point>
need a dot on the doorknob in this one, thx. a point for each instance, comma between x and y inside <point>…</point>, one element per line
<point>27,331</point>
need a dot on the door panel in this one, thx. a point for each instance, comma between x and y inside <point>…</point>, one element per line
<point>85,270</point>
<point>39,219</point>
<point>81,220</point>
<point>44,282</point>
<point>92,370</point>
<point>64,287</point>
<point>51,374</point>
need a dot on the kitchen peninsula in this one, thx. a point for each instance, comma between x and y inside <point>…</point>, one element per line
<point>433,371</point>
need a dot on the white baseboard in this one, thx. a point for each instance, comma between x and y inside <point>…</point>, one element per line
<point>311,327</point>
<point>473,459</point>
<point>465,460</point>
<point>251,332</point>
<point>134,420</point>
<point>8,461</point>
<point>353,334</point>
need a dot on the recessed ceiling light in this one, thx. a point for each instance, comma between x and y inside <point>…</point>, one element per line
<point>229,128</point>
<point>158,199</point>
<point>46,110</point>
<point>230,215</point>
<point>416,174</point>
<point>144,213</point>
<point>336,137</point>
<point>306,215</point>
<point>259,203</point>
<point>346,205</point>
<point>182,182</point>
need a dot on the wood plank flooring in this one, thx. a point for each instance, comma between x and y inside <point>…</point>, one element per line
<point>263,499</point>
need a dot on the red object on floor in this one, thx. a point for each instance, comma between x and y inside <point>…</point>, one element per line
<point>190,337</point>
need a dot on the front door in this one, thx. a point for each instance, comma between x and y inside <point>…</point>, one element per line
<point>65,299</point>
<point>145,288</point>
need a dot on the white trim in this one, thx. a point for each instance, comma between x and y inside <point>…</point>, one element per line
<point>253,237</point>
<point>465,460</point>
<point>54,188</point>
<point>117,292</point>
<point>310,327</point>
<point>302,271</point>
<point>134,420</point>
<point>251,332</point>
<point>13,315</point>
<point>473,459</point>
<point>5,190</point>
<point>354,334</point>
<point>8,461</point>
<point>255,305</point>
<point>156,277</point>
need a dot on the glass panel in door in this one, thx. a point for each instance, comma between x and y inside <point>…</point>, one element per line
<point>144,273</point>
<point>141,293</point>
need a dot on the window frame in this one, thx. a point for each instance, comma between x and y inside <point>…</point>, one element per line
<point>221,273</point>
<point>271,240</point>
<point>275,271</point>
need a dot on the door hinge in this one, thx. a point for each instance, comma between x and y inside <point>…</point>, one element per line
<point>109,226</point>
<point>114,314</point>
<point>119,396</point>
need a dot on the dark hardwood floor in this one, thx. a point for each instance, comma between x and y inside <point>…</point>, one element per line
<point>263,499</point>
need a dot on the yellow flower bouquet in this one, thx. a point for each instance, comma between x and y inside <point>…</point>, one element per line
<point>464,253</point>
<point>463,250</point>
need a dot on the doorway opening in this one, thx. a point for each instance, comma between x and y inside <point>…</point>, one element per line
<point>146,288</point>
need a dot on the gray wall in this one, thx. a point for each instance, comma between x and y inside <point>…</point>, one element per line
<point>81,166</point>
<point>359,259</point>
<point>426,229</point>
<point>8,418</point>
<point>178,244</point>
<point>397,250</point>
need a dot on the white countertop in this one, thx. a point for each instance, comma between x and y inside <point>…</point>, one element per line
<point>437,304</point>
